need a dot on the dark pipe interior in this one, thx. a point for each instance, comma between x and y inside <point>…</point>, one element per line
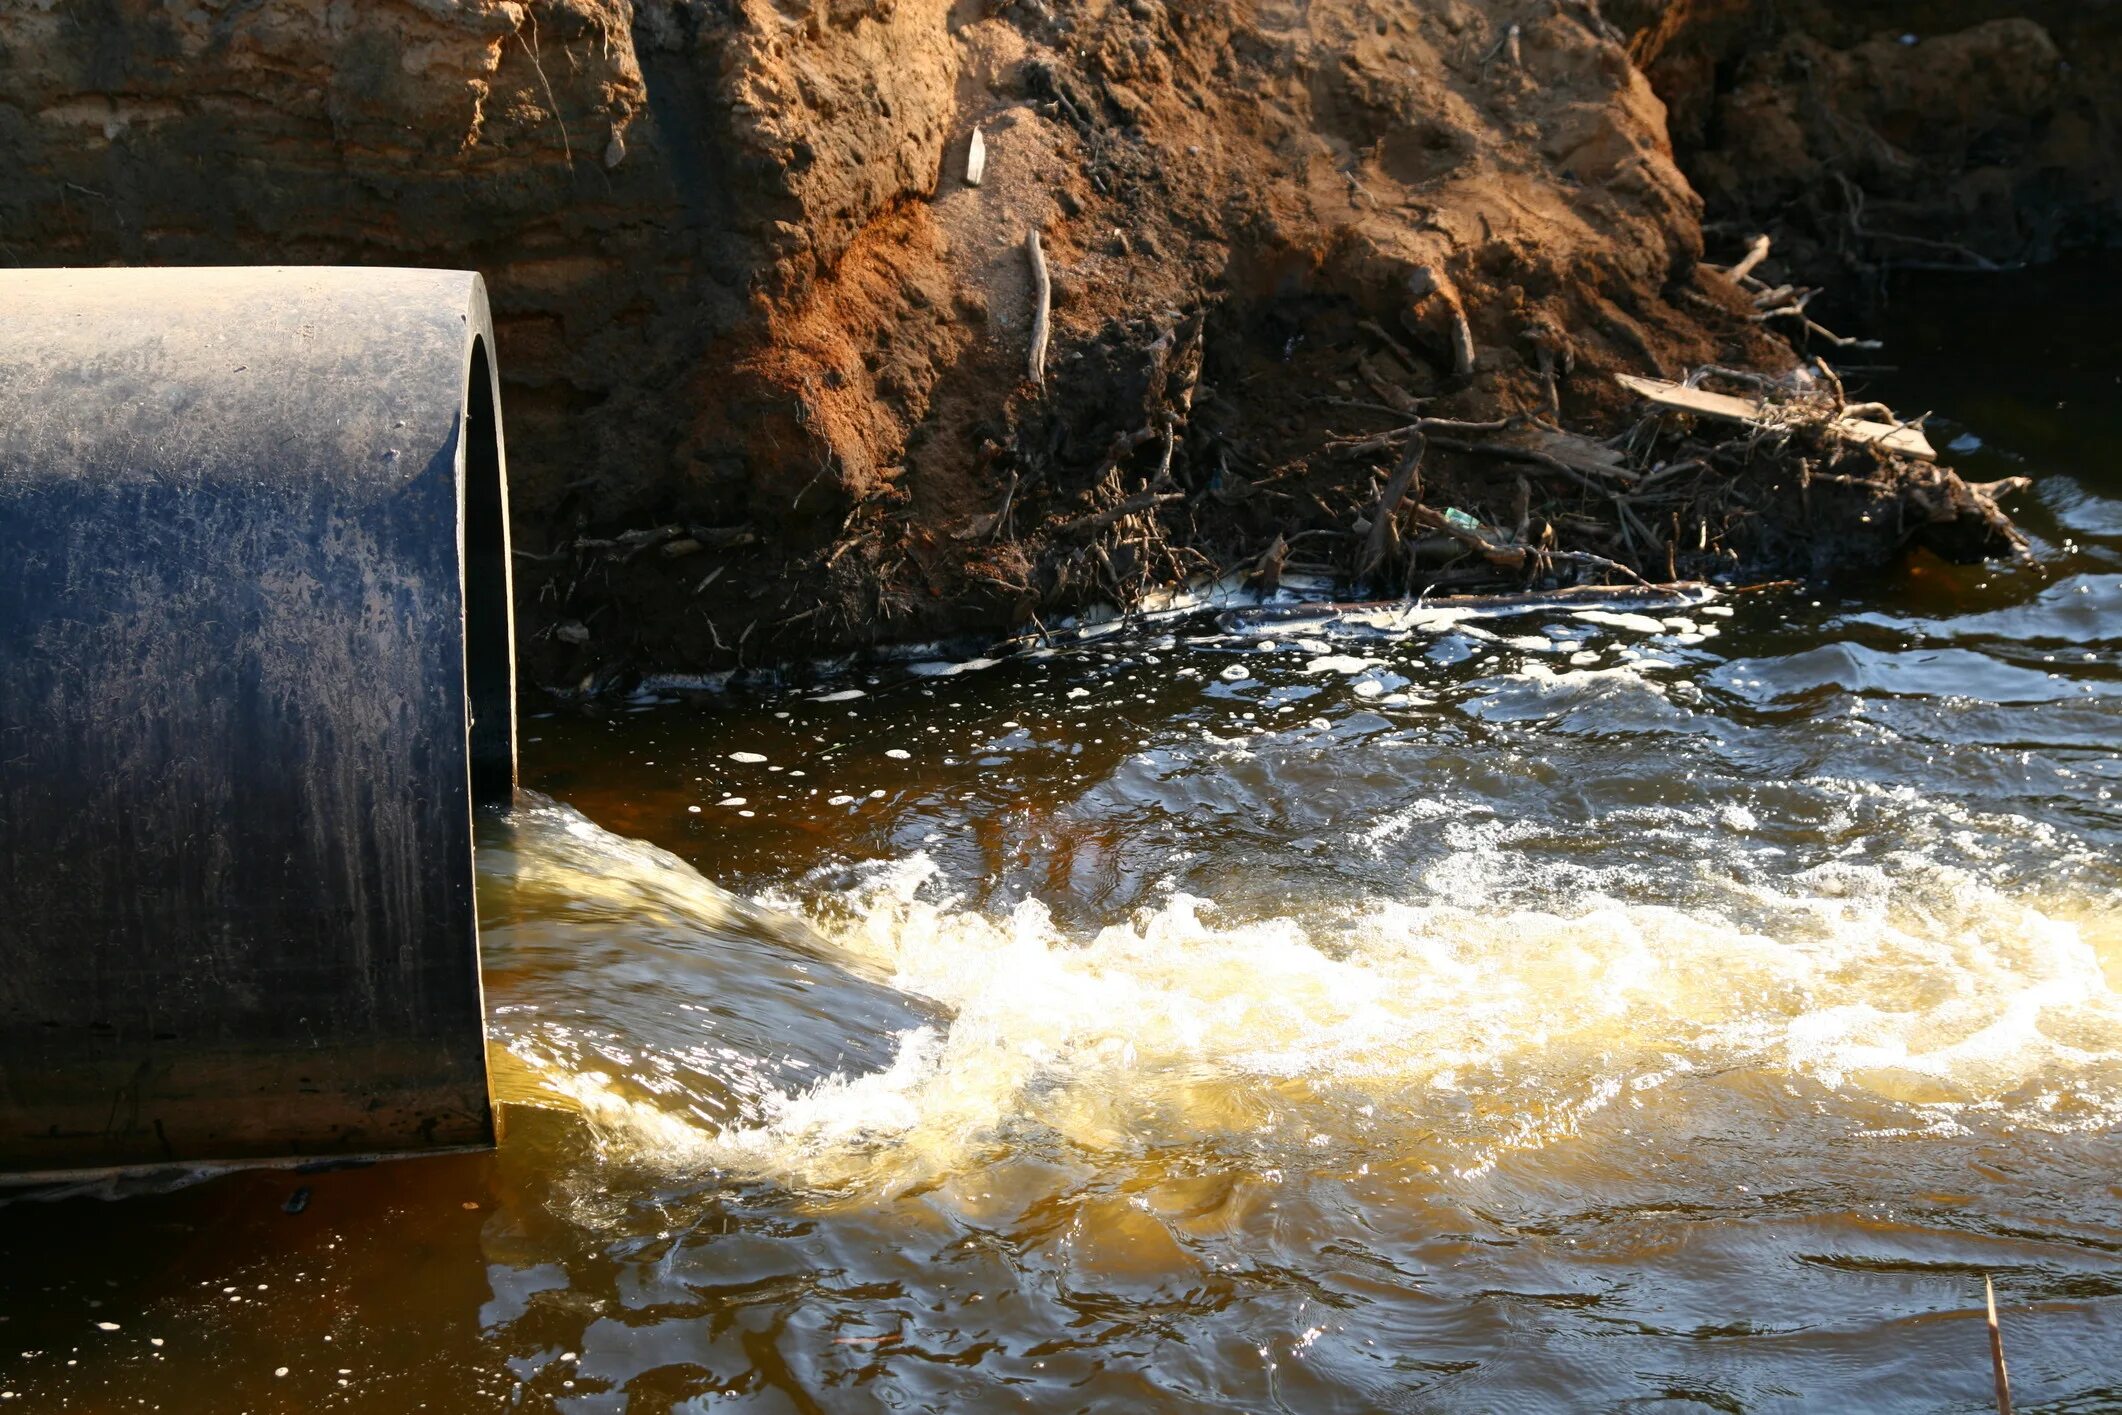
<point>489,681</point>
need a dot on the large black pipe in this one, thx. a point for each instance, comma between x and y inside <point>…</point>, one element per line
<point>255,673</point>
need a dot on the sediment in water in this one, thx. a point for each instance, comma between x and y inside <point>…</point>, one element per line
<point>766,351</point>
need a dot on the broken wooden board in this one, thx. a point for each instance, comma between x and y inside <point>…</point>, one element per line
<point>1908,441</point>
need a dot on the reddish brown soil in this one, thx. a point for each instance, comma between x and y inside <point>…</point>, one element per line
<point>765,350</point>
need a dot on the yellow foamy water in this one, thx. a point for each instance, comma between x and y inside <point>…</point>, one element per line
<point>1423,1033</point>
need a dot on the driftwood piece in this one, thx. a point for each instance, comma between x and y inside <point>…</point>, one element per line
<point>1903,438</point>
<point>1042,308</point>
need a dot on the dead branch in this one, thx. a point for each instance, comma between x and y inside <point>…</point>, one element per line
<point>1384,336</point>
<point>1813,326</point>
<point>1042,308</point>
<point>1508,453</point>
<point>2000,488</point>
<point>1141,501</point>
<point>1384,529</point>
<point>1755,254</point>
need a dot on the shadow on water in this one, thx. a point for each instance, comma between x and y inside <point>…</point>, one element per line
<point>1574,1010</point>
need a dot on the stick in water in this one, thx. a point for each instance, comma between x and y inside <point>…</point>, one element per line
<point>1042,307</point>
<point>1996,1349</point>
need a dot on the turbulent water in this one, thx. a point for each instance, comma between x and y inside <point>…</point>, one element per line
<point>1272,1010</point>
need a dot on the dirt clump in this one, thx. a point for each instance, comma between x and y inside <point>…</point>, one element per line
<point>1339,285</point>
<point>1869,136</point>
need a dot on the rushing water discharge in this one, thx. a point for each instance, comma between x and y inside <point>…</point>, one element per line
<point>1279,1011</point>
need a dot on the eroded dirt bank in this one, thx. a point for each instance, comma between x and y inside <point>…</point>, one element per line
<point>766,350</point>
<point>1874,134</point>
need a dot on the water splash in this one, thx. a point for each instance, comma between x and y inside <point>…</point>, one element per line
<point>1440,1030</point>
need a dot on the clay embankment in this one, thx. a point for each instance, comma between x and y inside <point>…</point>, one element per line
<point>766,349</point>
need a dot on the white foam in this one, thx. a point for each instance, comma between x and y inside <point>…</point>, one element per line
<point>1901,985</point>
<point>1640,623</point>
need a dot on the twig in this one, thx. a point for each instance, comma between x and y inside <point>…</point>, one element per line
<point>1511,557</point>
<point>1042,307</point>
<point>1524,454</point>
<point>1755,254</point>
<point>1384,336</point>
<point>1840,342</point>
<point>1378,442</point>
<point>1164,462</point>
<point>1141,501</point>
<point>1596,562</point>
<point>1503,556</point>
<point>1736,375</point>
<point>1384,533</point>
<point>545,83</point>
<point>1009,497</point>
<point>1834,381</point>
<point>1996,1349</point>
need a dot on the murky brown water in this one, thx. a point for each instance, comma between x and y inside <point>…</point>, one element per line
<point>1494,1014</point>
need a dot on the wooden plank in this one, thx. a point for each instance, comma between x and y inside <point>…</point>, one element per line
<point>1908,441</point>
